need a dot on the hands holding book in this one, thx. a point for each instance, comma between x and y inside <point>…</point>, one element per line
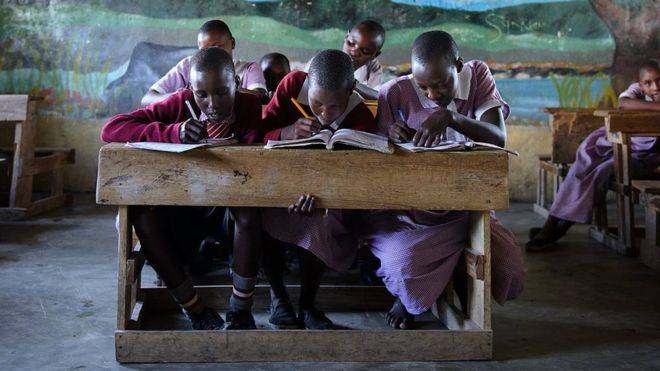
<point>303,128</point>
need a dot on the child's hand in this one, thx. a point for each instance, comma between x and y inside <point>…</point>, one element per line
<point>430,133</point>
<point>303,128</point>
<point>400,132</point>
<point>304,205</point>
<point>192,131</point>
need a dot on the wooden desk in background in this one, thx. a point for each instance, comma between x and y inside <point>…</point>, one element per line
<point>356,179</point>
<point>621,127</point>
<point>28,161</point>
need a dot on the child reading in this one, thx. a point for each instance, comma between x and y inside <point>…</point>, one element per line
<point>275,67</point>
<point>327,93</point>
<point>587,180</point>
<point>444,97</point>
<point>214,33</point>
<point>170,234</point>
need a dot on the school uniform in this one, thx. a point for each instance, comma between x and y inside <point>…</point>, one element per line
<point>419,249</point>
<point>330,237</point>
<point>588,178</point>
<point>250,74</point>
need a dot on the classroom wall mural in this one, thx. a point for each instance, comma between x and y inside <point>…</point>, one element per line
<point>92,59</point>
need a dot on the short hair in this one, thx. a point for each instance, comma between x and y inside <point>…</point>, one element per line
<point>212,59</point>
<point>432,45</point>
<point>372,27</point>
<point>275,57</point>
<point>331,70</point>
<point>651,64</point>
<point>215,25</point>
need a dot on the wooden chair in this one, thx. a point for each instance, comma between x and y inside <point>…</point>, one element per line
<point>569,127</point>
<point>474,181</point>
<point>29,161</point>
<point>621,127</point>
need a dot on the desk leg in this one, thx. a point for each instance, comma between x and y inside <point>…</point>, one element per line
<point>20,194</point>
<point>479,297</point>
<point>625,205</point>
<point>124,305</point>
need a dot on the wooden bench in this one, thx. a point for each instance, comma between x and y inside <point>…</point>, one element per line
<point>252,176</point>
<point>621,127</point>
<point>28,161</point>
<point>569,127</point>
<point>649,197</point>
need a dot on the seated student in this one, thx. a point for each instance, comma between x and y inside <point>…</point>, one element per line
<point>363,43</point>
<point>587,180</point>
<point>170,234</point>
<point>327,93</point>
<point>418,249</point>
<point>214,33</point>
<point>275,67</point>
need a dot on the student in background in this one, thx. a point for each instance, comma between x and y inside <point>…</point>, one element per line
<point>444,97</point>
<point>327,92</point>
<point>363,43</point>
<point>214,33</point>
<point>170,234</point>
<point>588,178</point>
<point>275,67</point>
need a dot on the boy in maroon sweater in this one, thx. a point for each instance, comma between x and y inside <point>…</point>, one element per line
<point>170,234</point>
<point>327,92</point>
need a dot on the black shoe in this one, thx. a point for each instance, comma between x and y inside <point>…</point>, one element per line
<point>314,319</point>
<point>283,316</point>
<point>240,320</point>
<point>207,319</point>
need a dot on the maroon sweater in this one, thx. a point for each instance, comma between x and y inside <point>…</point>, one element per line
<point>160,122</point>
<point>281,112</point>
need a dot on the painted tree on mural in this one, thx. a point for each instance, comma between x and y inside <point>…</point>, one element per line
<point>635,28</point>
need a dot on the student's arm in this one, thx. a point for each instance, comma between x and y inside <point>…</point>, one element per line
<point>249,118</point>
<point>366,92</point>
<point>175,80</point>
<point>389,115</point>
<point>632,104</point>
<point>280,108</point>
<point>159,122</point>
<point>254,82</point>
<point>153,96</point>
<point>360,118</point>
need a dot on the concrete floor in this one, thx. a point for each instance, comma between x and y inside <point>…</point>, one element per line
<point>584,307</point>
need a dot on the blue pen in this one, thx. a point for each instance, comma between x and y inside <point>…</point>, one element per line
<point>401,115</point>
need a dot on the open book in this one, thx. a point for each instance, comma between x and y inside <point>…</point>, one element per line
<point>455,146</point>
<point>348,137</point>
<point>180,147</point>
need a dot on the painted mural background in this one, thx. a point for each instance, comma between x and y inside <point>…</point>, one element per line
<point>92,59</point>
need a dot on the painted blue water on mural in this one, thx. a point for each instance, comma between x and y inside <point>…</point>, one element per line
<point>525,97</point>
<point>474,5</point>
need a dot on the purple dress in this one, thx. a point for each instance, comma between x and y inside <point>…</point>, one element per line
<point>588,178</point>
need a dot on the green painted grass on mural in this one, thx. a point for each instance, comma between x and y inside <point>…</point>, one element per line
<point>268,31</point>
<point>578,92</point>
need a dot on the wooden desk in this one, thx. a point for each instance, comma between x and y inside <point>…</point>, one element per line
<point>621,127</point>
<point>252,176</point>
<point>28,161</point>
<point>569,127</point>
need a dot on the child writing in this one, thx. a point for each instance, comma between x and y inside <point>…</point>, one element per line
<point>214,33</point>
<point>169,234</point>
<point>327,93</point>
<point>275,67</point>
<point>443,98</point>
<point>587,180</point>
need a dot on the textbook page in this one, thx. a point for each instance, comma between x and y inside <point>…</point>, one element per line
<point>455,146</point>
<point>165,147</point>
<point>322,138</point>
<point>361,139</point>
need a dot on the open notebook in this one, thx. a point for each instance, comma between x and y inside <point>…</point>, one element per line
<point>328,139</point>
<point>180,147</point>
<point>455,146</point>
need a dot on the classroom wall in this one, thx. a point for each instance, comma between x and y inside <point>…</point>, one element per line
<point>93,59</point>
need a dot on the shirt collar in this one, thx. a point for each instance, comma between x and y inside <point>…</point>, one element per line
<point>462,93</point>
<point>353,101</point>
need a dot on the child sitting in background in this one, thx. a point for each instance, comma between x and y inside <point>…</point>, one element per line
<point>326,92</point>
<point>169,235</point>
<point>418,249</point>
<point>275,67</point>
<point>588,178</point>
<point>214,33</point>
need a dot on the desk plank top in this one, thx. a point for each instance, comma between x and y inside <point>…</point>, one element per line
<point>352,179</point>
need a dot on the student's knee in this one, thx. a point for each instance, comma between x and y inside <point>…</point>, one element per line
<point>246,217</point>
